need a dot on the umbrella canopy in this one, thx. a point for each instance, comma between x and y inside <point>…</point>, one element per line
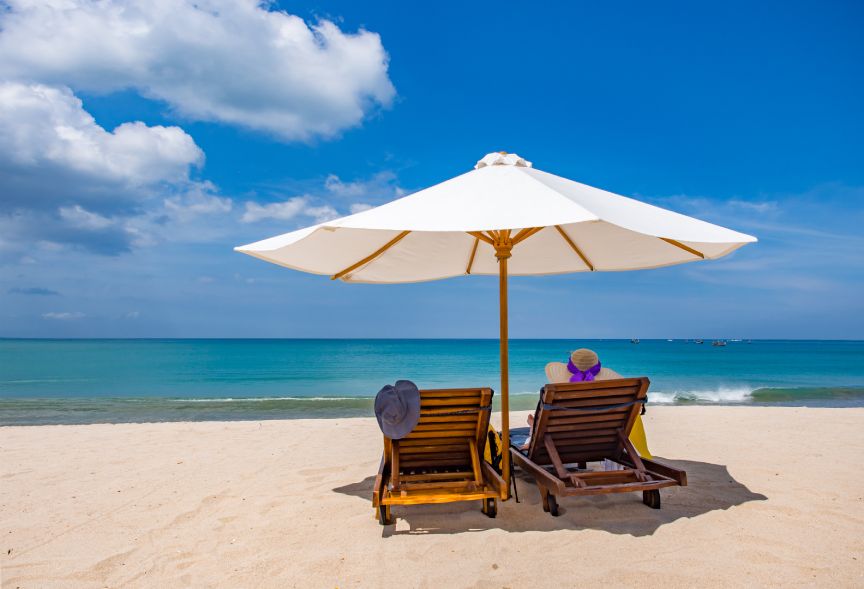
<point>506,218</point>
<point>431,233</point>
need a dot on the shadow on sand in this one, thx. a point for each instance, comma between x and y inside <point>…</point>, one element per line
<point>710,488</point>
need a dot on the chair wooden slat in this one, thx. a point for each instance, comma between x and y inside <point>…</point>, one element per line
<point>438,402</point>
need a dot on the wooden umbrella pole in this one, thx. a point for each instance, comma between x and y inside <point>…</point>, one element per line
<point>502,252</point>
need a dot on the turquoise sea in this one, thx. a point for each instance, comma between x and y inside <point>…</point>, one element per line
<point>95,381</point>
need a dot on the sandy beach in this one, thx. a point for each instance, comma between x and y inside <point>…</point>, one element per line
<point>776,498</point>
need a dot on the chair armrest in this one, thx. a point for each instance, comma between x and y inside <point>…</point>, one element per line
<point>676,474</point>
<point>540,475</point>
<point>494,479</point>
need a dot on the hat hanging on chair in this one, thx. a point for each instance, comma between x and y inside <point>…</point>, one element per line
<point>397,409</point>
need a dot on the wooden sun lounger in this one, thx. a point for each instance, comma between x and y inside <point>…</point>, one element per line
<point>578,423</point>
<point>441,460</point>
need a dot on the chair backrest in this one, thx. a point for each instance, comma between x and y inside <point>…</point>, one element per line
<point>449,418</point>
<point>584,418</point>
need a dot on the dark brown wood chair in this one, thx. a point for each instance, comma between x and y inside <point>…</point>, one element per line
<point>441,460</point>
<point>585,422</point>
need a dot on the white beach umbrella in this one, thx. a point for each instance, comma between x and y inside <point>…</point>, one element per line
<point>506,218</point>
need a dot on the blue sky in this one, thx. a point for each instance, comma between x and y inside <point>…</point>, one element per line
<point>140,142</point>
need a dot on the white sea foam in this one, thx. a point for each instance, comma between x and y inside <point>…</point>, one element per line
<point>253,399</point>
<point>721,395</point>
<point>718,395</point>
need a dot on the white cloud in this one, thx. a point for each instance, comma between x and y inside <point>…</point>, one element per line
<point>380,187</point>
<point>283,211</point>
<point>289,209</point>
<point>330,200</point>
<point>63,316</point>
<point>64,179</point>
<point>45,128</point>
<point>335,185</point>
<point>359,207</point>
<point>77,216</point>
<point>231,61</point>
<point>367,193</point>
<point>322,213</point>
<point>200,200</point>
<point>49,246</point>
<point>755,206</point>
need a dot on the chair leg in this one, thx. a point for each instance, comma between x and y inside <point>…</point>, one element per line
<point>651,498</point>
<point>550,503</point>
<point>384,516</point>
<point>553,505</point>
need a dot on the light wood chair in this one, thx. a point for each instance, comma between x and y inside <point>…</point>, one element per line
<point>441,460</point>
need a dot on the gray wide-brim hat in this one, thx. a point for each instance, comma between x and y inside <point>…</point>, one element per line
<point>397,409</point>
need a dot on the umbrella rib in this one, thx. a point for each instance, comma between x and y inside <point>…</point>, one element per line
<point>688,249</point>
<point>574,247</point>
<point>473,253</point>
<point>526,233</point>
<point>370,257</point>
<point>479,235</point>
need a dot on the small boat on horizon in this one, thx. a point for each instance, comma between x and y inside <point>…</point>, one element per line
<point>698,341</point>
<point>634,340</point>
<point>718,343</point>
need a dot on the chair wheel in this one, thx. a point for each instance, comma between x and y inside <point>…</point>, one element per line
<point>384,517</point>
<point>651,498</point>
<point>553,505</point>
<point>490,507</point>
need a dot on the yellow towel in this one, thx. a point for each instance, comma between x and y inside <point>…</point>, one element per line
<point>637,437</point>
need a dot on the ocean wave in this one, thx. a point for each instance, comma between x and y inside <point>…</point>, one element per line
<point>818,394</point>
<point>44,381</point>
<point>78,410</point>
<point>720,395</point>
<point>265,399</point>
<point>827,396</point>
<point>738,395</point>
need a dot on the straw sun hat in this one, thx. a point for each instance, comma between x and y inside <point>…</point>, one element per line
<point>583,358</point>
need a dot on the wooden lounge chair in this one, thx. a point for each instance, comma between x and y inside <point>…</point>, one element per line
<point>581,422</point>
<point>441,460</point>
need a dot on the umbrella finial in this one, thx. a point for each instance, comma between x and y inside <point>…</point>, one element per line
<point>502,158</point>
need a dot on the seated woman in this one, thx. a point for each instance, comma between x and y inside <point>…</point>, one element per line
<point>584,366</point>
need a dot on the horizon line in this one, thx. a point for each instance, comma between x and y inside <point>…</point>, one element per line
<point>221,338</point>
